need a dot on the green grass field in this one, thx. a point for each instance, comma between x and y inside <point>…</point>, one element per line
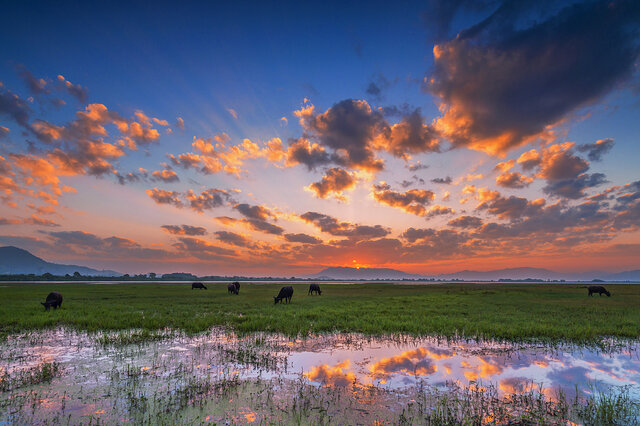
<point>501,311</point>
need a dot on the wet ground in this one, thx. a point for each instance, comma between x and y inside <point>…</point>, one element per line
<point>64,376</point>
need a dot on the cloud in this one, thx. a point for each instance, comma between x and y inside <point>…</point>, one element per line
<point>350,126</point>
<point>501,85</point>
<point>333,183</point>
<point>184,230</point>
<point>410,136</point>
<point>512,207</point>
<point>77,91</point>
<point>233,113</point>
<point>438,210</point>
<point>312,155</point>
<point>598,149</point>
<point>413,201</point>
<point>163,196</point>
<point>302,238</point>
<point>466,222</point>
<point>208,199</point>
<point>444,181</point>
<point>254,212</point>
<point>417,166</point>
<point>165,175</point>
<point>284,121</point>
<point>15,108</point>
<point>513,180</point>
<point>574,188</point>
<point>233,239</point>
<point>180,123</point>
<point>37,86</point>
<point>255,218</point>
<point>333,226</point>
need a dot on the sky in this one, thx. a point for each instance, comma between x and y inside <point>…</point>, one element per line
<point>280,138</point>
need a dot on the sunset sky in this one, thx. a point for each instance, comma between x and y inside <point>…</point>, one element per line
<point>280,138</point>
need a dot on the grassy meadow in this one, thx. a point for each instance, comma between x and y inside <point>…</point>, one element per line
<point>548,312</point>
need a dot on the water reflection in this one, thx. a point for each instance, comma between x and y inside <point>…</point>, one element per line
<point>117,382</point>
<point>513,370</point>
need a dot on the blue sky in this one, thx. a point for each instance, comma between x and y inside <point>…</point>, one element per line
<point>504,78</point>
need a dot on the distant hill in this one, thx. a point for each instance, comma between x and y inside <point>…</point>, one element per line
<point>508,273</point>
<point>345,273</point>
<point>14,260</point>
<point>621,276</point>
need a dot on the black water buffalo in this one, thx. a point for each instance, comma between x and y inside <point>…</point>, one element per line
<point>231,288</point>
<point>314,288</point>
<point>237,284</point>
<point>598,289</point>
<point>53,299</point>
<point>198,285</point>
<point>285,294</point>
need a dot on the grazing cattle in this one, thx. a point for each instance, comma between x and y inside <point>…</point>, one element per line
<point>231,288</point>
<point>53,299</point>
<point>237,284</point>
<point>197,285</point>
<point>314,288</point>
<point>285,294</point>
<point>598,289</point>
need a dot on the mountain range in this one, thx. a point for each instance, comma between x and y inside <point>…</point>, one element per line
<point>14,260</point>
<point>346,273</point>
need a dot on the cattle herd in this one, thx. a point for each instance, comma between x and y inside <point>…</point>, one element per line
<point>54,299</point>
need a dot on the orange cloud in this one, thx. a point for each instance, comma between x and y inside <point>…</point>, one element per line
<point>332,376</point>
<point>333,183</point>
<point>413,201</point>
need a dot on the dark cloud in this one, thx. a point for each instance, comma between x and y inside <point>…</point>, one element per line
<point>378,85</point>
<point>574,188</point>
<point>301,151</point>
<point>513,180</point>
<point>253,212</point>
<point>37,86</point>
<point>302,238</point>
<point>413,201</point>
<point>350,125</point>
<point>233,239</point>
<point>439,211</point>
<point>597,149</point>
<point>416,167</point>
<point>264,226</point>
<point>502,84</point>
<point>162,196</point>
<point>333,226</point>
<point>79,92</point>
<point>466,222</point>
<point>184,230</point>
<point>208,199</point>
<point>15,108</point>
<point>445,180</point>
<point>512,207</point>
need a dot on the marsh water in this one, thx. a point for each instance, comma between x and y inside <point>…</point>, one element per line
<point>64,376</point>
